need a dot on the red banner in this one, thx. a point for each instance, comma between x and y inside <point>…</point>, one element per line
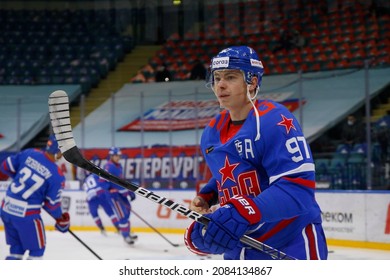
<point>183,115</point>
<point>175,115</point>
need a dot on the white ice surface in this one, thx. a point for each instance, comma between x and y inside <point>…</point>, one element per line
<point>150,246</point>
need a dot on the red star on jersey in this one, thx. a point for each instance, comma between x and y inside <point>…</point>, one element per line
<point>227,171</point>
<point>287,123</point>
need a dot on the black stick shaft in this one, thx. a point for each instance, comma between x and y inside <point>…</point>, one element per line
<point>155,230</point>
<point>85,245</point>
<point>73,155</point>
<point>79,240</point>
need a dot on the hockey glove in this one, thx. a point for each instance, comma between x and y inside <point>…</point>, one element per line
<point>228,224</point>
<point>193,239</point>
<point>63,223</point>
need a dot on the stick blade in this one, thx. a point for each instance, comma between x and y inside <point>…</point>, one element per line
<point>60,120</point>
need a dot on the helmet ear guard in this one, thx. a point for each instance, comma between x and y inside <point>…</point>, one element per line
<point>240,58</point>
<point>52,145</point>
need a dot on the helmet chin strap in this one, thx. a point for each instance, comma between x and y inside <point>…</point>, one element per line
<point>251,100</point>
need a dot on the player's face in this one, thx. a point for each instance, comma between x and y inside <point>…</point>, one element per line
<point>230,89</point>
<point>115,158</point>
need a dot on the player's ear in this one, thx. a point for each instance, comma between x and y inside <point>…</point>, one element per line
<point>254,83</point>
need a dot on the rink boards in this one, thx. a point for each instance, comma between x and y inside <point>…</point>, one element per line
<point>349,218</point>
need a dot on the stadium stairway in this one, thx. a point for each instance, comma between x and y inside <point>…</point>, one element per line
<point>121,75</point>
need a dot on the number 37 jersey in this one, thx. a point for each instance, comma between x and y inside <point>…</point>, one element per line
<point>36,182</point>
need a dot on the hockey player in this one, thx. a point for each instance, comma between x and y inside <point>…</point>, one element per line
<point>263,174</point>
<point>120,197</point>
<point>37,182</point>
<point>98,196</point>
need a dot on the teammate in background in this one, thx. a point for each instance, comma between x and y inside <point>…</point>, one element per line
<point>263,174</point>
<point>97,196</point>
<point>37,182</point>
<point>120,197</point>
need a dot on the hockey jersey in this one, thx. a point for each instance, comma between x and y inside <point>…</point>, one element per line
<point>92,187</point>
<point>36,182</point>
<point>117,170</point>
<point>277,170</point>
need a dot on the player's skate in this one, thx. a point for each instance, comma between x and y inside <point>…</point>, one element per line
<point>128,240</point>
<point>133,236</point>
<point>103,231</point>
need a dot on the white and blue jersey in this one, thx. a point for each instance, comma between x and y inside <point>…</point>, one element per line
<point>98,196</point>
<point>92,187</point>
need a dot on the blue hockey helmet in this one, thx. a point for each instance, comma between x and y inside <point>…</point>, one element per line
<point>114,151</point>
<point>242,58</point>
<point>52,145</point>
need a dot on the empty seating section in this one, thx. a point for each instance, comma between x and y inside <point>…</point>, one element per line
<point>81,46</point>
<point>332,40</point>
<point>346,168</point>
<point>343,170</point>
<point>59,47</point>
<point>340,166</point>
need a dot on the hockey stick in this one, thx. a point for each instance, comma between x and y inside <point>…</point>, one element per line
<point>85,245</point>
<point>79,240</point>
<point>60,121</point>
<point>153,228</point>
